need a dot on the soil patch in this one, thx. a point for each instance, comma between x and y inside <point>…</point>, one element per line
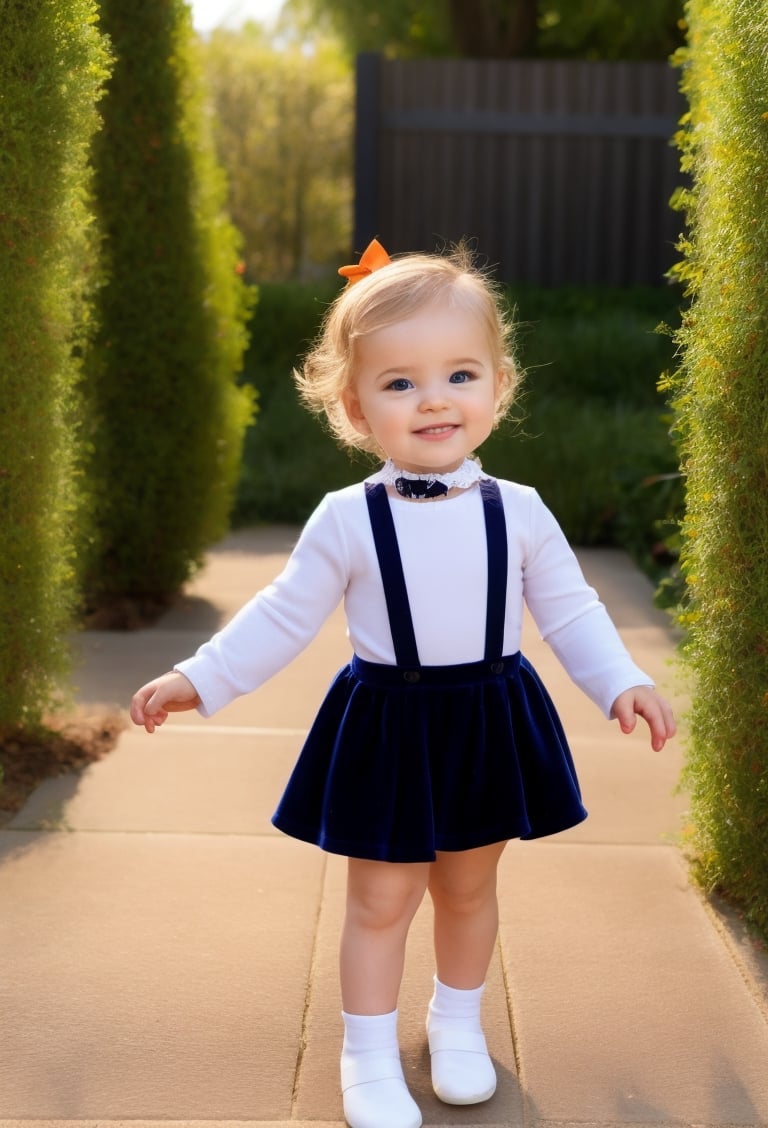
<point>125,613</point>
<point>66,744</point>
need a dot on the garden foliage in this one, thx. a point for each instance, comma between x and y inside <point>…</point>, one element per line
<point>52,65</point>
<point>720,396</point>
<point>165,415</point>
<point>500,29</point>
<point>284,119</point>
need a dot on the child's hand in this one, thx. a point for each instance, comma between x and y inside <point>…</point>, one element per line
<point>643,701</point>
<point>170,693</point>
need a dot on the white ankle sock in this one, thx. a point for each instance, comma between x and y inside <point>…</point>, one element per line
<point>462,1071</point>
<point>453,1008</point>
<point>372,1082</point>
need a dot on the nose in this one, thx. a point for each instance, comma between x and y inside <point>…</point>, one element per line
<point>434,398</point>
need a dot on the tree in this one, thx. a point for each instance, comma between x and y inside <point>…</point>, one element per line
<point>502,29</point>
<point>284,134</point>
<point>165,416</point>
<point>52,66</point>
<point>401,28</point>
<point>719,394</point>
<point>493,29</point>
<point>610,29</point>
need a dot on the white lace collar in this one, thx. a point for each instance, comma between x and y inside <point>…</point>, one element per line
<point>426,487</point>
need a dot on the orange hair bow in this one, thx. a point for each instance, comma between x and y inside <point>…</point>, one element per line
<point>373,258</point>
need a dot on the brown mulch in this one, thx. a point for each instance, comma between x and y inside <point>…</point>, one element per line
<point>126,613</point>
<point>68,743</point>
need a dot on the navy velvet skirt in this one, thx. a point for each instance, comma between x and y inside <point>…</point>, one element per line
<point>400,763</point>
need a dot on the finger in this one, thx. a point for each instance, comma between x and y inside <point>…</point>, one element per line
<point>147,707</point>
<point>157,707</point>
<point>138,705</point>
<point>668,719</point>
<point>153,720</point>
<point>625,715</point>
<point>661,725</point>
<point>658,737</point>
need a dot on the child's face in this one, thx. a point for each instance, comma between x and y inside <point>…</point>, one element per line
<point>425,389</point>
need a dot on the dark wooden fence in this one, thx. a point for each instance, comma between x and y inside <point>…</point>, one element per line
<point>561,171</point>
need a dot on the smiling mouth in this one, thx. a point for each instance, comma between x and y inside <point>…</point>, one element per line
<point>446,428</point>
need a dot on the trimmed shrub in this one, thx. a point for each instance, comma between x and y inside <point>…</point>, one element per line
<point>719,394</point>
<point>166,419</point>
<point>52,65</point>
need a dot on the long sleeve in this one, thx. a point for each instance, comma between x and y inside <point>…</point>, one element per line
<point>444,559</point>
<point>571,618</point>
<point>274,627</point>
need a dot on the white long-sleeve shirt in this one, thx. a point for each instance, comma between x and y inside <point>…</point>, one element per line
<point>443,550</point>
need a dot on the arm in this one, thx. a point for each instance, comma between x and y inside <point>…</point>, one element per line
<point>264,636</point>
<point>577,626</point>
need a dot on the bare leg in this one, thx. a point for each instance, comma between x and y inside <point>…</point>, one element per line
<point>382,898</point>
<point>463,890</point>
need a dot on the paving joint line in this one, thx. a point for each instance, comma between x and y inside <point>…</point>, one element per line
<point>308,992</point>
<point>230,730</point>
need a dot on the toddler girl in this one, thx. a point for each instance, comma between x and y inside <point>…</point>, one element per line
<point>438,742</point>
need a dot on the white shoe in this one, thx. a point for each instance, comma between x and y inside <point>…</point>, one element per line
<point>462,1071</point>
<point>375,1093</point>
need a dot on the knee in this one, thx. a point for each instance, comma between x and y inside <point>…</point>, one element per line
<point>463,898</point>
<point>383,905</point>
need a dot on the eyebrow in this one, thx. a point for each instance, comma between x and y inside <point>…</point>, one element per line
<point>466,360</point>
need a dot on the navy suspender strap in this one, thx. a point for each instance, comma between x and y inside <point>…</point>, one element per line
<point>393,578</point>
<point>395,591</point>
<point>496,536</point>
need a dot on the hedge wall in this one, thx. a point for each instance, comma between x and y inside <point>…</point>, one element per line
<point>721,398</point>
<point>166,416</point>
<point>52,65</point>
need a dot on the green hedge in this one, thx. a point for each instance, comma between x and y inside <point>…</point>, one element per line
<point>52,65</point>
<point>719,393</point>
<point>165,415</point>
<point>590,433</point>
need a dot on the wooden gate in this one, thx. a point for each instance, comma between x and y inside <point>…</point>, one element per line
<point>560,171</point>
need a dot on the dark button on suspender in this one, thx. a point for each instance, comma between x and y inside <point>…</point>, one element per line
<point>411,676</point>
<point>393,577</point>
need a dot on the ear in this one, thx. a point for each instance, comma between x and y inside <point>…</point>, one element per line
<point>354,413</point>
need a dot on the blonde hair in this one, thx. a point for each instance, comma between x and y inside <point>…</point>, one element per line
<point>391,294</point>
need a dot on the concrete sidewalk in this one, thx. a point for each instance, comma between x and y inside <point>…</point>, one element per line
<point>168,958</point>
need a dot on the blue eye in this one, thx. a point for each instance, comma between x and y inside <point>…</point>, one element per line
<point>399,385</point>
<point>460,377</point>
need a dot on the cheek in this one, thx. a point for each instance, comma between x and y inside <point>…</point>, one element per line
<point>391,417</point>
<point>485,404</point>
